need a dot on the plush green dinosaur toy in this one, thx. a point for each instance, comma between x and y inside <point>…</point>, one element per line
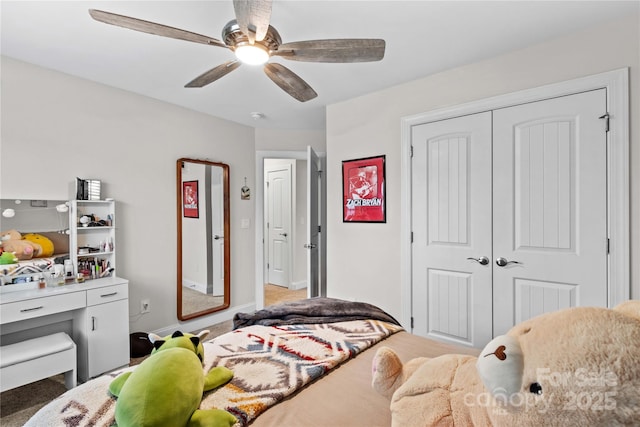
<point>166,389</point>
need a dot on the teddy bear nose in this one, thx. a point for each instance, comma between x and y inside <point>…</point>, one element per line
<point>499,353</point>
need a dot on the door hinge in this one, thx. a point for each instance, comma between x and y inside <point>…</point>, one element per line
<point>267,266</point>
<point>606,117</point>
<point>411,322</point>
<point>608,246</point>
<point>319,229</point>
<point>412,237</point>
<point>411,153</point>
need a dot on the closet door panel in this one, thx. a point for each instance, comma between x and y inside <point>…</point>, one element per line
<point>549,207</point>
<point>451,214</point>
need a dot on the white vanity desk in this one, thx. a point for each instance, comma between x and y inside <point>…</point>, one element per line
<point>94,313</point>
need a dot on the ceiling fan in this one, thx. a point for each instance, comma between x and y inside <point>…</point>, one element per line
<point>254,41</point>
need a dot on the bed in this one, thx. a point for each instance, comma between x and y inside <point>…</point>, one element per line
<point>305,363</point>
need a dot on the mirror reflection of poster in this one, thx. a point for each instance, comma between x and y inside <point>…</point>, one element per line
<point>363,190</point>
<point>190,199</point>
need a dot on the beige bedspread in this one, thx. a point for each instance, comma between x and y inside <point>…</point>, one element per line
<point>344,396</point>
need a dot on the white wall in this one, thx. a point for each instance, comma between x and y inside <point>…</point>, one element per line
<point>364,259</point>
<point>56,127</point>
<point>290,140</point>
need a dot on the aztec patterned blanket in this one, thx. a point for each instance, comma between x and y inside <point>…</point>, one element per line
<point>269,364</point>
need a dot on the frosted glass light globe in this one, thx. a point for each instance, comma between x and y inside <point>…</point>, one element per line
<point>252,54</point>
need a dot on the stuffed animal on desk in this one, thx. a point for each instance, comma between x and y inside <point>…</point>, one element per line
<point>578,366</point>
<point>165,390</point>
<point>12,241</point>
<point>7,258</point>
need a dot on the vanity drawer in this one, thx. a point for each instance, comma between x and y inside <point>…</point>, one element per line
<point>37,307</point>
<point>107,294</point>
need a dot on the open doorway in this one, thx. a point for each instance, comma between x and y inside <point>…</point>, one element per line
<point>285,260</point>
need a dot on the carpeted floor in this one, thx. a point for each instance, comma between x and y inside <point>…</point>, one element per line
<point>19,404</point>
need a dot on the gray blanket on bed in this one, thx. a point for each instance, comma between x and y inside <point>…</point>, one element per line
<point>313,310</point>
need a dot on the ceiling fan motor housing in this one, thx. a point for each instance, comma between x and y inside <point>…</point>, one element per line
<point>234,37</point>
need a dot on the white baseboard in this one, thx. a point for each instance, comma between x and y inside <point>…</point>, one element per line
<point>294,286</point>
<point>196,325</point>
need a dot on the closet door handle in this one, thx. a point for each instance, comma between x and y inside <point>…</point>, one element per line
<point>217,237</point>
<point>503,262</point>
<point>93,323</point>
<point>483,260</point>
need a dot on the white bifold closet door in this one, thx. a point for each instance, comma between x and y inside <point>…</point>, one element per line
<point>509,216</point>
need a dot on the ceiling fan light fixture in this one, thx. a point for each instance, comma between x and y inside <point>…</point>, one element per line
<point>252,54</point>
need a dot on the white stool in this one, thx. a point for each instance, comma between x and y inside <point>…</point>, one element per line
<point>36,359</point>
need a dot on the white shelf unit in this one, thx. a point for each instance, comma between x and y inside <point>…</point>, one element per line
<point>98,240</point>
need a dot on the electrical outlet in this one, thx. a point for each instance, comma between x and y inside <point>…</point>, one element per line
<point>145,306</point>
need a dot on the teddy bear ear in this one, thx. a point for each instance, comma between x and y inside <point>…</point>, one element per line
<point>630,308</point>
<point>203,334</point>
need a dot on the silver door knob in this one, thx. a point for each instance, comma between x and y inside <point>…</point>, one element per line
<point>309,246</point>
<point>483,260</point>
<point>503,262</point>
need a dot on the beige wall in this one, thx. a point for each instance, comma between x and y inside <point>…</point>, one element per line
<point>56,127</point>
<point>290,140</point>
<point>364,259</point>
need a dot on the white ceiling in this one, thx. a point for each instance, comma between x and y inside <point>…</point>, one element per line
<point>423,37</point>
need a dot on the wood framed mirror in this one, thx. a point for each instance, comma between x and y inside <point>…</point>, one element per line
<point>203,278</point>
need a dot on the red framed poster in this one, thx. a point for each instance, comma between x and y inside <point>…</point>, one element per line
<point>190,199</point>
<point>363,190</point>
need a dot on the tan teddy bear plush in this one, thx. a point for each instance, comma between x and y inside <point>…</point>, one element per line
<point>12,241</point>
<point>578,366</point>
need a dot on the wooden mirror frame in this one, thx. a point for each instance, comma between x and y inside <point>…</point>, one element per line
<point>227,238</point>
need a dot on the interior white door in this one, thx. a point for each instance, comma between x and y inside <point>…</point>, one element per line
<point>313,241</point>
<point>217,230</point>
<point>550,207</point>
<point>451,223</point>
<point>279,224</point>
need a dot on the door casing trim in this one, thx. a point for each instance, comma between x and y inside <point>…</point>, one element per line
<point>617,84</point>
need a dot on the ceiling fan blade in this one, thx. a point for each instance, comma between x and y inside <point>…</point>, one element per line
<point>289,82</point>
<point>333,50</point>
<point>253,17</point>
<point>152,28</point>
<point>214,74</point>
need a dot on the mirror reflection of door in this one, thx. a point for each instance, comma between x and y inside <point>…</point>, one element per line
<point>203,238</point>
<point>217,230</point>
